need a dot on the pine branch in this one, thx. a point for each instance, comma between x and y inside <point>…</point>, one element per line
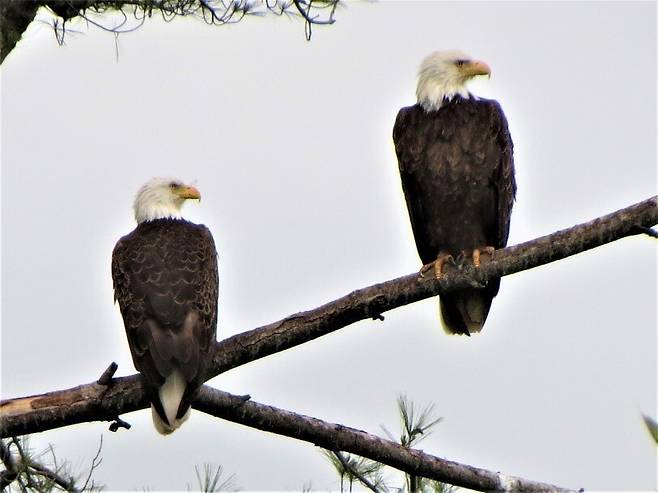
<point>16,16</point>
<point>338,437</point>
<point>39,476</point>
<point>98,402</point>
<point>355,467</point>
<point>11,470</point>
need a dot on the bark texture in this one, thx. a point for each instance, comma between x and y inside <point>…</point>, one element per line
<point>372,301</point>
<point>333,436</point>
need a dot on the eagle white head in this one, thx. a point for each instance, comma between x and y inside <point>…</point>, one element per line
<point>161,198</point>
<point>444,74</point>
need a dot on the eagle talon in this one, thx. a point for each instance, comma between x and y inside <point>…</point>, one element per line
<point>439,262</point>
<point>477,253</point>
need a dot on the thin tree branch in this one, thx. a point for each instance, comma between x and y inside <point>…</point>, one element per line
<point>353,471</point>
<point>67,484</point>
<point>29,467</point>
<point>338,437</point>
<point>11,471</point>
<point>94,402</point>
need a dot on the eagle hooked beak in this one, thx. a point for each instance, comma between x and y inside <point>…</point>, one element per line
<point>189,192</point>
<point>476,67</point>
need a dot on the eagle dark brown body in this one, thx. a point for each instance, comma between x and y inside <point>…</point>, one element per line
<point>457,173</point>
<point>165,281</point>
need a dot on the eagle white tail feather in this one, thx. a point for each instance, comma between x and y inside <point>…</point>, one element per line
<point>170,394</point>
<point>469,311</point>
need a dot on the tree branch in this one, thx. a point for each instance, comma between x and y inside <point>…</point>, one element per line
<point>350,470</point>
<point>96,402</point>
<point>14,19</point>
<point>370,302</point>
<point>338,437</point>
<point>27,466</point>
<point>16,16</point>
<point>11,470</point>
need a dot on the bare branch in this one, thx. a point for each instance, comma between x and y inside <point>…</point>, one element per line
<point>338,437</point>
<point>370,302</point>
<point>94,402</point>
<point>95,463</point>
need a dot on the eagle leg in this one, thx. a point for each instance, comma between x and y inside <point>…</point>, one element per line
<point>441,259</point>
<point>477,252</point>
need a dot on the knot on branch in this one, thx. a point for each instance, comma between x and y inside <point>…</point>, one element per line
<point>375,306</point>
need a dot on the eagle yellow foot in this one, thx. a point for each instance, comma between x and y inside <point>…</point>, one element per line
<point>477,252</point>
<point>441,259</point>
<point>437,265</point>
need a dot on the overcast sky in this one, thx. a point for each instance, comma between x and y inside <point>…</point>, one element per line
<point>290,144</point>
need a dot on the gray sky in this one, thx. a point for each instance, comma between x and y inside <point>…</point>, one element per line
<point>290,145</point>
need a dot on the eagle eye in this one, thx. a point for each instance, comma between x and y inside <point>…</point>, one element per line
<point>461,63</point>
<point>173,185</point>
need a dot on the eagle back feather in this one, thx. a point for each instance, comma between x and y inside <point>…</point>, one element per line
<point>166,283</point>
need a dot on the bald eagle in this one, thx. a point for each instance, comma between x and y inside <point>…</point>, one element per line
<point>456,166</point>
<point>165,281</point>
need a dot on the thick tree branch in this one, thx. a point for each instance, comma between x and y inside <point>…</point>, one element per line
<point>108,399</point>
<point>373,301</point>
<point>14,19</point>
<point>338,437</point>
<point>96,402</point>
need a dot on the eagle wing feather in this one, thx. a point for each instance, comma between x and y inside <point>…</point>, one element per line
<point>166,283</point>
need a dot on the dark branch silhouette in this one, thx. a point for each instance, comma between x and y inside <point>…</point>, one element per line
<point>107,400</point>
<point>16,16</point>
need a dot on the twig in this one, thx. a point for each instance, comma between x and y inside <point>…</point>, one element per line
<point>95,462</point>
<point>306,14</point>
<point>346,465</point>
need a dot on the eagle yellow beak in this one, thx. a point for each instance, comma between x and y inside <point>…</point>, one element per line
<point>189,193</point>
<point>476,67</point>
